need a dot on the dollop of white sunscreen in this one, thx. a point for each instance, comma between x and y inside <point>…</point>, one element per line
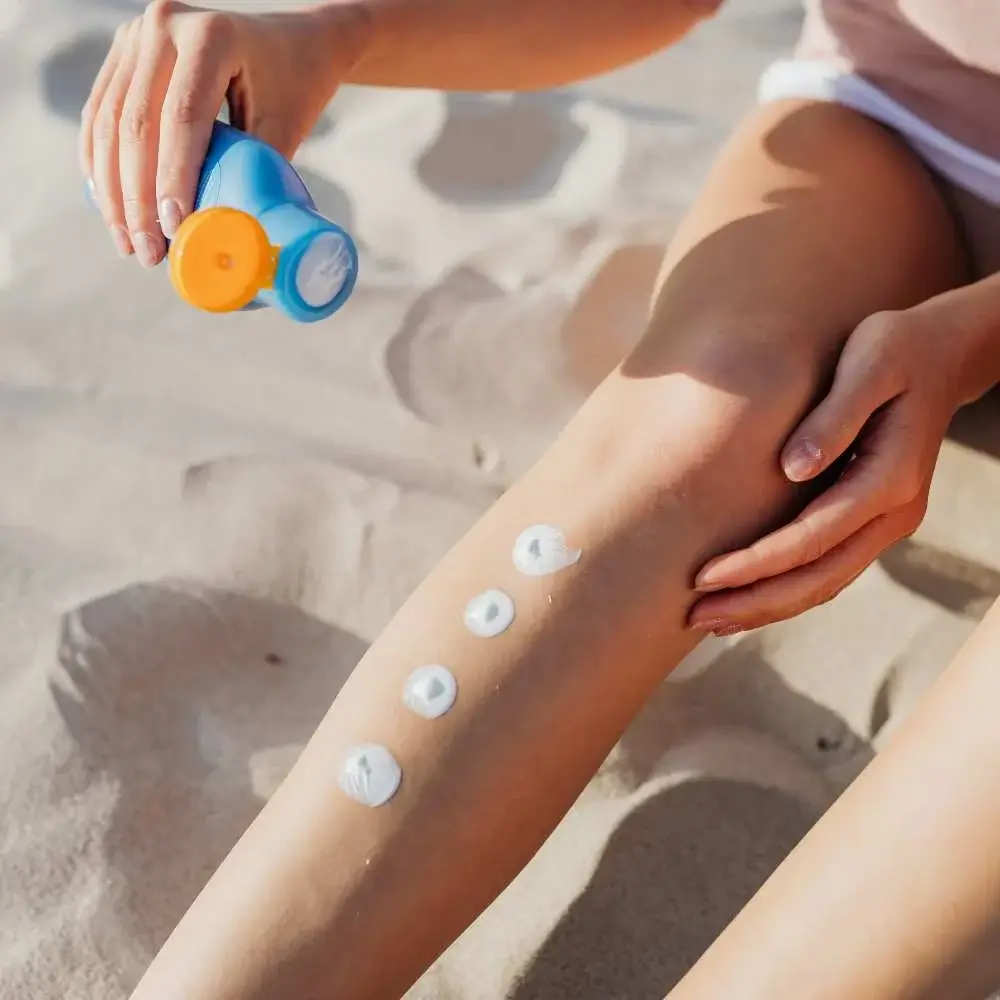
<point>323,270</point>
<point>430,691</point>
<point>370,774</point>
<point>541,550</point>
<point>488,614</point>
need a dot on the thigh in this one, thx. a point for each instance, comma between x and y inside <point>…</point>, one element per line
<point>813,218</point>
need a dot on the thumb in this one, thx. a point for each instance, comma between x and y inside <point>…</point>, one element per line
<point>861,385</point>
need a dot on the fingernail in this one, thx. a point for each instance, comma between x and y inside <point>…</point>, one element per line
<point>170,217</point>
<point>802,461</point>
<point>122,243</point>
<point>148,249</point>
<point>727,630</point>
<point>708,580</point>
<point>92,188</point>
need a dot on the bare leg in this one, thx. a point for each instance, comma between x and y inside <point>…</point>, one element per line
<point>813,219</point>
<point>895,895</point>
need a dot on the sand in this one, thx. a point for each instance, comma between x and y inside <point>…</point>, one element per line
<point>204,521</point>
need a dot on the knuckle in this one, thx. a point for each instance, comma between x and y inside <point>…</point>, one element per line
<point>914,518</point>
<point>105,126</point>
<point>132,31</point>
<point>816,596</point>
<point>809,543</point>
<point>808,602</point>
<point>136,211</point>
<point>173,180</point>
<point>872,337</point>
<point>112,212</point>
<point>828,595</point>
<point>158,13</point>
<point>908,485</point>
<point>213,30</point>
<point>887,323</point>
<point>136,123</point>
<point>187,108</point>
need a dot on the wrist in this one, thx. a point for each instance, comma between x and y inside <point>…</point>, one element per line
<point>380,32</point>
<point>979,325</point>
<point>346,31</point>
<point>968,321</point>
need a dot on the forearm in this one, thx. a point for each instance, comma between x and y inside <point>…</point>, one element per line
<point>895,895</point>
<point>330,899</point>
<point>484,45</point>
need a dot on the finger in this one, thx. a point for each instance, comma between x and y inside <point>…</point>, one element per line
<point>791,594</point>
<point>85,145</point>
<point>138,144</point>
<point>862,384</point>
<point>197,89</point>
<point>107,182</point>
<point>860,495</point>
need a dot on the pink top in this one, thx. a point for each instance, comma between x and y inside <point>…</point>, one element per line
<point>938,58</point>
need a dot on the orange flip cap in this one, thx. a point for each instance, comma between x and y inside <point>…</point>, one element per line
<point>220,259</point>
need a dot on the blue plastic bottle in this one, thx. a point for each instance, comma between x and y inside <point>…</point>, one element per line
<point>256,238</point>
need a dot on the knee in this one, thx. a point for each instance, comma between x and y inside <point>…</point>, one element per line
<point>724,403</point>
<point>684,459</point>
<point>683,456</point>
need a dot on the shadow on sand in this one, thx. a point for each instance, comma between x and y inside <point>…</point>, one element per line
<point>193,702</point>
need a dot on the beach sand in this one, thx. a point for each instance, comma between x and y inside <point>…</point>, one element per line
<point>204,521</point>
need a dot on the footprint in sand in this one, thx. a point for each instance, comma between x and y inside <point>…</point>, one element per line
<point>912,674</point>
<point>177,695</point>
<point>809,746</point>
<point>676,869</point>
<point>497,150</point>
<point>469,354</point>
<point>68,72</point>
<point>956,583</point>
<point>964,590</point>
<point>469,350</point>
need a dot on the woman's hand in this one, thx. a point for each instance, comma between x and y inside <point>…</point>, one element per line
<point>899,381</point>
<point>148,121</point>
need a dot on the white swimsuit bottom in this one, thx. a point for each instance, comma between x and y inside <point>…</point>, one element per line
<point>823,81</point>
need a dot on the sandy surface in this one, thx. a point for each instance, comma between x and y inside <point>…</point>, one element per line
<point>204,521</point>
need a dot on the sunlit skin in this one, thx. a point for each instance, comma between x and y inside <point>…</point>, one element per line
<point>696,484</point>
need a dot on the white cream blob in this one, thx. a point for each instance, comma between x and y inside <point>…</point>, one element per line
<point>541,550</point>
<point>430,691</point>
<point>369,774</point>
<point>322,270</point>
<point>490,613</point>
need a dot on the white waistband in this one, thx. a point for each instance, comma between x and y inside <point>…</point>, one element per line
<point>824,81</point>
